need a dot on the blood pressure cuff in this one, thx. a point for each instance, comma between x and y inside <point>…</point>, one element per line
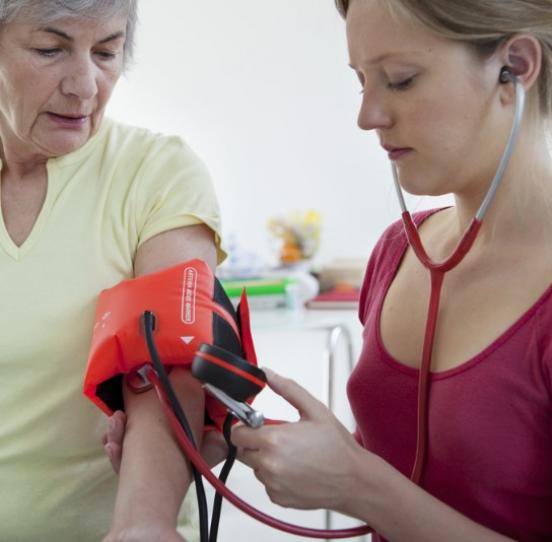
<point>190,308</point>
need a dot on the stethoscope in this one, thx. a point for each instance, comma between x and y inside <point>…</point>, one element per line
<point>210,367</point>
<point>437,270</point>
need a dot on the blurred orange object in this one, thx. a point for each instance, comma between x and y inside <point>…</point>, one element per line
<point>290,253</point>
<point>298,233</point>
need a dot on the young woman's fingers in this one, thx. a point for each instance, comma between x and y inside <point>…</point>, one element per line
<point>295,394</point>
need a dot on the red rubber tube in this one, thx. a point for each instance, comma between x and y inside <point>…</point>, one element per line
<point>437,272</point>
<point>200,464</point>
<point>423,380</point>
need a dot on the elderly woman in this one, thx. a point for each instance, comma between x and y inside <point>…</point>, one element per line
<point>86,203</point>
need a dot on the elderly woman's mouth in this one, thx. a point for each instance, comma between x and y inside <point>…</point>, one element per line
<point>68,121</point>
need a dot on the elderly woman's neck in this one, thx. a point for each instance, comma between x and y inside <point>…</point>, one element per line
<point>19,166</point>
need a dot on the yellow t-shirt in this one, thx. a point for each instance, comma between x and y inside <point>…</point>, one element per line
<point>105,199</point>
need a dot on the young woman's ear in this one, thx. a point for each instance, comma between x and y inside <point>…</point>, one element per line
<point>522,54</point>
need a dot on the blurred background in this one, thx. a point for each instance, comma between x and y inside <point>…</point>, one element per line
<point>263,92</point>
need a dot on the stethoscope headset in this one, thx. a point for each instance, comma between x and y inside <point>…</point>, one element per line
<point>236,380</point>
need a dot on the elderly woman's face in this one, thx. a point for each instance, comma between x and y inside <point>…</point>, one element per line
<point>55,81</point>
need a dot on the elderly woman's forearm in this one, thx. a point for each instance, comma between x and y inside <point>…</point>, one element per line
<point>154,474</point>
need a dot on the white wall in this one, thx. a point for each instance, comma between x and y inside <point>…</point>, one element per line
<point>262,91</point>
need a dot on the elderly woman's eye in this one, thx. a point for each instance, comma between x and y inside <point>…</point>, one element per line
<point>106,55</point>
<point>49,53</point>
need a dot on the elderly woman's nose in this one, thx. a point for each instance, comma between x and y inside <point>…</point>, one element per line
<point>373,113</point>
<point>80,81</point>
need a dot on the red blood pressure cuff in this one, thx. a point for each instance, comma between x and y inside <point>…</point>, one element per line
<point>190,308</point>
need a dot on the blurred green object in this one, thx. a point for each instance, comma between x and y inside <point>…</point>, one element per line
<point>253,287</point>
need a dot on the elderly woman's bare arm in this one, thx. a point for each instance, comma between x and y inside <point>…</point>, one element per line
<point>154,476</point>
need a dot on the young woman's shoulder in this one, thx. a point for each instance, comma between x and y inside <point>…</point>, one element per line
<point>385,258</point>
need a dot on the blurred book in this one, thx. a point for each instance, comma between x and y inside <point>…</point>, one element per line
<point>336,298</point>
<point>341,273</point>
<point>340,282</point>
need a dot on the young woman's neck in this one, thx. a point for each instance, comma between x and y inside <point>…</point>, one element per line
<point>522,207</point>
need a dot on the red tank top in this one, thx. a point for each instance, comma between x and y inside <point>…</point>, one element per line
<point>490,422</point>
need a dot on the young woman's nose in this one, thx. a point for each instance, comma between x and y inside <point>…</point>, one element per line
<point>80,79</point>
<point>373,113</point>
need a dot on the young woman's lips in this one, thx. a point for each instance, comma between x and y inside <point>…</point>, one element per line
<point>396,154</point>
<point>68,121</point>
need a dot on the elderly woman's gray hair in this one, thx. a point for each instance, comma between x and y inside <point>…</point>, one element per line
<point>46,11</point>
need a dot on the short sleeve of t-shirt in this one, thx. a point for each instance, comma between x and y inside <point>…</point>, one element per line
<point>377,268</point>
<point>174,189</point>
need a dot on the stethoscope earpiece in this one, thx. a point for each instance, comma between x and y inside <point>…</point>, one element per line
<point>506,75</point>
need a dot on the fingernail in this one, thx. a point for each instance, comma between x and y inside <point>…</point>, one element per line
<point>109,452</point>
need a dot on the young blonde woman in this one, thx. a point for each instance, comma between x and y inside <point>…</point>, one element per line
<point>432,89</point>
<point>430,77</point>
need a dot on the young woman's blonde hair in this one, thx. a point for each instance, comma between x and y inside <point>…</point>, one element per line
<point>484,25</point>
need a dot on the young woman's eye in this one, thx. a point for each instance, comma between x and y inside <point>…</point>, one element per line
<point>403,84</point>
<point>48,53</point>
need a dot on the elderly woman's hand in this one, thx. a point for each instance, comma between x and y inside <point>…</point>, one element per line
<point>306,464</point>
<point>113,439</point>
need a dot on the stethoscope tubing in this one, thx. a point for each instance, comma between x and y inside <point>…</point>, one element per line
<point>511,143</point>
<point>437,272</point>
<point>199,463</point>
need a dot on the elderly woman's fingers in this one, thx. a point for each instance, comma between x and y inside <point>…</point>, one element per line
<point>115,431</point>
<point>113,439</point>
<point>114,452</point>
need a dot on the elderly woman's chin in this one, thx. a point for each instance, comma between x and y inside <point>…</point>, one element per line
<point>59,139</point>
<point>59,146</point>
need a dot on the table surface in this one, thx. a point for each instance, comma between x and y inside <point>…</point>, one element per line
<point>302,318</point>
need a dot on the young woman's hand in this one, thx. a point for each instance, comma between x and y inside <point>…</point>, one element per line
<point>213,447</point>
<point>305,464</point>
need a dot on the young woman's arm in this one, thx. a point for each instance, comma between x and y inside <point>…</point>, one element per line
<point>316,463</point>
